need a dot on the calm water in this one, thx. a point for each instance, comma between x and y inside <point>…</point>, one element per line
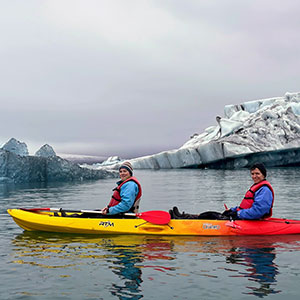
<point>60,266</point>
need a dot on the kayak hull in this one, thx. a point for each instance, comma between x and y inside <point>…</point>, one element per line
<point>47,221</point>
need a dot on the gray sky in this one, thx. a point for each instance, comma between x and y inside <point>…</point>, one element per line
<point>131,78</point>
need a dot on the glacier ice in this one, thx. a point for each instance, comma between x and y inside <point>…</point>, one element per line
<point>264,130</point>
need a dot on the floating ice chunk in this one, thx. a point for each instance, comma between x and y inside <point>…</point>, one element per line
<point>17,169</point>
<point>250,132</point>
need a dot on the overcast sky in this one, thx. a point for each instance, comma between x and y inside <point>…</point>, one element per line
<point>136,77</point>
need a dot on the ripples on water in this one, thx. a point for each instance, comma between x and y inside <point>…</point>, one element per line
<point>61,266</point>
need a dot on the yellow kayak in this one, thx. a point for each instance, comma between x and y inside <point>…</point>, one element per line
<point>49,221</point>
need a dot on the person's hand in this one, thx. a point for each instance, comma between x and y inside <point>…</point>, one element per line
<point>233,215</point>
<point>226,212</point>
<point>104,211</point>
<point>230,214</point>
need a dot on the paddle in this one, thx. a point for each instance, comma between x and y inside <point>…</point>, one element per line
<point>157,217</point>
<point>60,209</point>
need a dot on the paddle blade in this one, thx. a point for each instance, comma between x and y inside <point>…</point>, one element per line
<point>36,209</point>
<point>158,217</point>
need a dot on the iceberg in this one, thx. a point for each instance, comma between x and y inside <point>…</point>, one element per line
<point>16,166</point>
<point>265,130</point>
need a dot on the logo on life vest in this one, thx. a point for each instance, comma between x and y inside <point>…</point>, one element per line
<point>210,226</point>
<point>106,224</point>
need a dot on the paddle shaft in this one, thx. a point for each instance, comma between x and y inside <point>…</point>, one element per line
<point>157,217</point>
<point>70,210</point>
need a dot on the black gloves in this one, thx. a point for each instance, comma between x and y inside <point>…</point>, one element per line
<point>230,214</point>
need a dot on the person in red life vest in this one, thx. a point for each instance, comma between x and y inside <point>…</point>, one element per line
<point>258,201</point>
<point>126,195</point>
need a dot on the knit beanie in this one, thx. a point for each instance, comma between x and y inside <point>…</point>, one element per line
<point>127,165</point>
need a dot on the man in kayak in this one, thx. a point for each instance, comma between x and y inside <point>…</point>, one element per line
<point>127,194</point>
<point>257,203</point>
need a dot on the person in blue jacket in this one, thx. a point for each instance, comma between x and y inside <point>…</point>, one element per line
<point>257,203</point>
<point>127,194</point>
<point>258,200</point>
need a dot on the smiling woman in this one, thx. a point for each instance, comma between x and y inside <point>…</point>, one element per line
<point>258,200</point>
<point>127,194</point>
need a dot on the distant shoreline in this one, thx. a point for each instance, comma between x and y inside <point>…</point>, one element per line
<point>80,159</point>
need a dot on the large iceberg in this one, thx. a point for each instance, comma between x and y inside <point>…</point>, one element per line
<point>16,166</point>
<point>266,130</point>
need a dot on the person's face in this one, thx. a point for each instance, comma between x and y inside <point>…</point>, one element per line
<point>124,174</point>
<point>257,176</point>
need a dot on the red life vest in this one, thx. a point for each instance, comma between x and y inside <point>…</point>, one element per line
<point>116,197</point>
<point>248,200</point>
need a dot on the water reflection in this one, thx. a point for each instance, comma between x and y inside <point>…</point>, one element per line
<point>260,266</point>
<point>125,266</point>
<point>127,263</point>
<point>124,256</point>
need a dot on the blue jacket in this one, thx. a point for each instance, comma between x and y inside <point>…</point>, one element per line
<point>262,204</point>
<point>128,193</point>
